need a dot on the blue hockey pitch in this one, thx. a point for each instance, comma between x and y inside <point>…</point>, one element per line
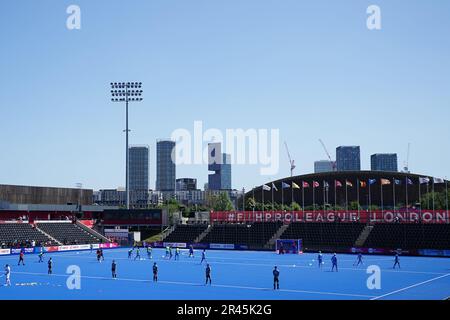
<point>236,275</point>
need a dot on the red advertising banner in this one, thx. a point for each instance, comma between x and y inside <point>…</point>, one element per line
<point>426,216</point>
<point>87,223</point>
<point>51,249</point>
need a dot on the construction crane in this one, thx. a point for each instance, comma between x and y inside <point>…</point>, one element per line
<point>333,163</point>
<point>291,162</point>
<point>406,167</point>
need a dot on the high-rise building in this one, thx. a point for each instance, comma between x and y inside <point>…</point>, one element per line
<point>220,163</point>
<point>323,166</point>
<point>348,158</point>
<point>138,164</point>
<point>186,184</point>
<point>384,162</point>
<point>165,165</point>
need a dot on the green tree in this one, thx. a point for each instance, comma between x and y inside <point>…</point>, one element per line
<point>295,206</point>
<point>186,211</point>
<point>354,205</point>
<point>220,202</point>
<point>440,200</point>
<point>172,205</point>
<point>250,203</point>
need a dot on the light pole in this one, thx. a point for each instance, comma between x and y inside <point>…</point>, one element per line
<point>80,195</point>
<point>243,200</point>
<point>126,92</point>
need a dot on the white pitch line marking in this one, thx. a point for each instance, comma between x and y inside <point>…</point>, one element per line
<point>409,287</point>
<point>214,285</point>
<point>211,260</point>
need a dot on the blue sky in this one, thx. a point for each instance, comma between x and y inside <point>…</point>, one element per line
<point>309,68</point>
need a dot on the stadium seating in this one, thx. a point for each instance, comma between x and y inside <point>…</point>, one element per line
<point>186,233</point>
<point>68,233</point>
<point>409,236</point>
<point>22,235</point>
<point>255,235</point>
<point>334,236</point>
<point>325,236</point>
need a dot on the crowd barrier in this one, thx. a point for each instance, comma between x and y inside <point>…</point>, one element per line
<point>79,247</point>
<point>369,251</point>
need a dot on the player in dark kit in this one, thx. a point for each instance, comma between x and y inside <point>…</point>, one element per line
<point>130,252</point>
<point>191,251</point>
<point>320,259</point>
<point>334,263</point>
<point>101,255</point>
<point>155,272</point>
<point>177,253</point>
<point>397,261</point>
<point>208,274</point>
<point>21,258</point>
<point>50,266</point>
<point>358,260</point>
<point>276,280</point>
<point>113,269</point>
<point>98,255</point>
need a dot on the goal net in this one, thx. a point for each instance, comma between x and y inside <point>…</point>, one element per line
<point>289,246</point>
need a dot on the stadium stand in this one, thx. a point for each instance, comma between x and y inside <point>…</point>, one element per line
<point>324,236</point>
<point>14,235</point>
<point>409,236</point>
<point>68,233</point>
<point>255,235</point>
<point>186,233</point>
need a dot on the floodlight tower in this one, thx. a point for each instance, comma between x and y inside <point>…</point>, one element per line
<point>80,195</point>
<point>126,92</point>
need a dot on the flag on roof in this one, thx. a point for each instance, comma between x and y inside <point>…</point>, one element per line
<point>438,180</point>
